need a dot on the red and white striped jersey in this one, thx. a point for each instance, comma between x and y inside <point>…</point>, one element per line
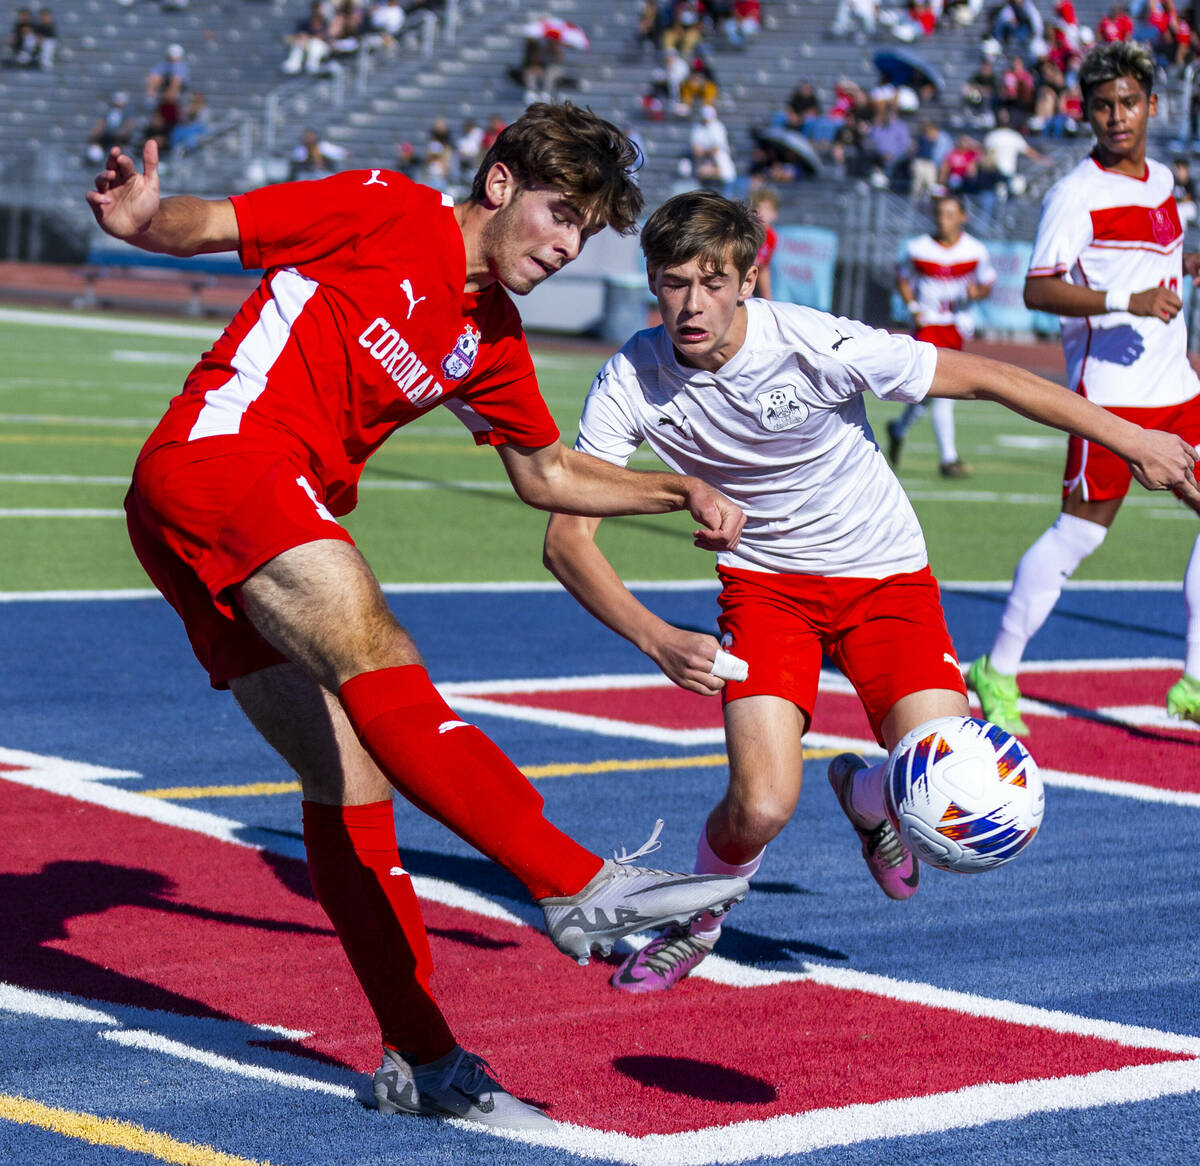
<point>359,325</point>
<point>939,276</point>
<point>1110,231</point>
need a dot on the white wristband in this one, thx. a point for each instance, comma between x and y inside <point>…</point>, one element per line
<point>727,666</point>
<point>911,305</point>
<point>1116,301</point>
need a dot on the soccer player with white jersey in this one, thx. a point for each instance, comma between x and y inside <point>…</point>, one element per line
<point>764,401</point>
<point>940,276</point>
<point>1109,260</point>
<point>381,299</point>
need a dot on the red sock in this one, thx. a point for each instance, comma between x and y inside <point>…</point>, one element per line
<point>455,774</point>
<point>356,874</point>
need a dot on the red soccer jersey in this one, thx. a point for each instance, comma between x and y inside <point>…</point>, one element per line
<point>359,325</point>
<point>767,250</point>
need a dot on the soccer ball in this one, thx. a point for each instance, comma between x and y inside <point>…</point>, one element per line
<point>964,794</point>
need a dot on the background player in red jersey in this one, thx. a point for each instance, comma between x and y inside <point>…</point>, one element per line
<point>1108,259</point>
<point>382,298</point>
<point>764,202</point>
<point>940,276</point>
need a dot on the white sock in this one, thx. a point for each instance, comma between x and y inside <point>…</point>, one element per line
<point>708,925</point>
<point>866,794</point>
<point>942,412</point>
<point>1191,607</point>
<point>1038,583</point>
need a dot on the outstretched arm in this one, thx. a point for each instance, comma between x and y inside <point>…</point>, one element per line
<point>554,477</point>
<point>128,206</point>
<point>571,553</point>
<point>1160,461</point>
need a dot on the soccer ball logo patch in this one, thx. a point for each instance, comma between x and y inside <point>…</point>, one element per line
<point>781,409</point>
<point>461,359</point>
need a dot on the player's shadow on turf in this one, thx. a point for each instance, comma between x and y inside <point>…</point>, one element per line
<point>38,911</point>
<point>1062,612</point>
<point>471,938</point>
<point>748,948</point>
<point>699,1079</point>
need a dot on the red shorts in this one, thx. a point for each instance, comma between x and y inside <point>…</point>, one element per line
<point>1100,473</point>
<point>888,637</point>
<point>202,519</point>
<point>940,336</point>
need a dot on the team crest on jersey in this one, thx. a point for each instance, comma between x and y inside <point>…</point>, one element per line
<point>1161,226</point>
<point>461,359</point>
<point>781,408</point>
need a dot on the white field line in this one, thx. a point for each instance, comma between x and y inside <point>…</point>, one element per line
<point>849,1125</point>
<point>85,422</point>
<point>156,1042</point>
<point>65,512</point>
<point>105,323</point>
<point>774,1137</point>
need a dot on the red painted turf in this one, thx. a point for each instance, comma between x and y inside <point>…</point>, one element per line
<point>115,908</point>
<point>1163,758</point>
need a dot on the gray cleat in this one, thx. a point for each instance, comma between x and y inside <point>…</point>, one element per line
<point>460,1084</point>
<point>622,899</point>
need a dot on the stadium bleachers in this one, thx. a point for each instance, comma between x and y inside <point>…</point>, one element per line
<point>235,48</point>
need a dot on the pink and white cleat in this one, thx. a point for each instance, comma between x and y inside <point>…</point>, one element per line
<point>892,865</point>
<point>662,963</point>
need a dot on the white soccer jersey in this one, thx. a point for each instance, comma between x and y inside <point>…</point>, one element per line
<point>940,275</point>
<point>1105,230</point>
<point>782,430</point>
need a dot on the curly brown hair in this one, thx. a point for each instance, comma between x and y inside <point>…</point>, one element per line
<point>578,153</point>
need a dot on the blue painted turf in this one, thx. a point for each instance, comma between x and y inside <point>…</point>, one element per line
<point>1101,918</point>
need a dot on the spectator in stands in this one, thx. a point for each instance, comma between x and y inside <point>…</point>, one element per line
<point>1005,148</point>
<point>440,167</point>
<point>1019,23</point>
<point>649,29</point>
<point>169,78</point>
<point>22,41</point>
<point>113,128</point>
<point>931,146</point>
<point>848,151</point>
<point>712,160</point>
<point>699,88</point>
<point>685,31</point>
<point>385,23</point>
<point>408,162</point>
<point>193,125</point>
<point>540,70</point>
<point>46,29</point>
<point>961,165</point>
<point>801,105</point>
<point>850,12</point>
<point>1066,118</point>
<point>1115,25</point>
<point>315,158</point>
<point>469,147</point>
<point>982,91</point>
<point>665,83</point>
<point>1018,91</point>
<point>743,22</point>
<point>890,143</point>
<point>1185,192</point>
<point>764,202</point>
<point>309,43</point>
<point>347,26</point>
<point>495,127</point>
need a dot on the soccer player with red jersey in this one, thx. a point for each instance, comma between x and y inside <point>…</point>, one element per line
<point>764,401</point>
<point>1108,259</point>
<point>764,202</point>
<point>940,276</point>
<point>381,299</point>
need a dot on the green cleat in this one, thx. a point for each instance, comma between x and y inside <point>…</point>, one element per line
<point>1183,699</point>
<point>998,696</point>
